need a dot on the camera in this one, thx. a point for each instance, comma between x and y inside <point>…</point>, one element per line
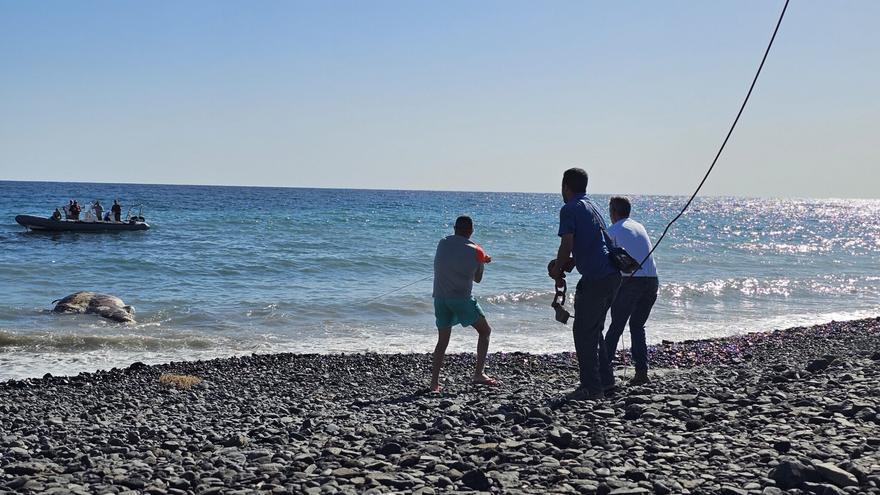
<point>562,314</point>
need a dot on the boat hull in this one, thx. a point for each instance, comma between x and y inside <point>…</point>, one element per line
<point>49,225</point>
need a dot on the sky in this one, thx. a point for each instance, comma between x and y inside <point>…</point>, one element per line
<point>452,95</point>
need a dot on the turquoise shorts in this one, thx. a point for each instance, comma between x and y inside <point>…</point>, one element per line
<point>453,311</point>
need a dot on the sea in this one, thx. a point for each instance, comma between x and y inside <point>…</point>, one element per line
<point>227,271</point>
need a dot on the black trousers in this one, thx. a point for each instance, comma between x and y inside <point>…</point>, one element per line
<point>634,301</point>
<point>592,300</point>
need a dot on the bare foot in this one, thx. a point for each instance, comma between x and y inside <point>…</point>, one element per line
<point>485,380</point>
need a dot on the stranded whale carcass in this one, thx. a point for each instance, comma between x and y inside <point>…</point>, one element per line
<point>110,307</point>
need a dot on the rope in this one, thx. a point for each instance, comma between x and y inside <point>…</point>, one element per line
<point>724,143</point>
<point>712,166</point>
<point>397,289</point>
<point>700,186</point>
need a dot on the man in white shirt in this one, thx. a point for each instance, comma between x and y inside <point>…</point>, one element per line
<point>638,293</point>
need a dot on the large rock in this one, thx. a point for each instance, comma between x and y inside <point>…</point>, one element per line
<point>561,437</point>
<point>390,448</point>
<point>782,445</point>
<point>475,479</point>
<point>636,475</point>
<point>836,475</point>
<point>789,474</point>
<point>541,413</point>
<point>633,411</point>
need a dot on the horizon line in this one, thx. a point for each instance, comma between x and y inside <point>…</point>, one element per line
<point>328,188</point>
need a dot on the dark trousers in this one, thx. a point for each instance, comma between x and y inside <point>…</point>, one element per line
<point>592,300</point>
<point>634,301</point>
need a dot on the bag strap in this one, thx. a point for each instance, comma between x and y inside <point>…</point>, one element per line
<point>611,239</point>
<point>601,221</point>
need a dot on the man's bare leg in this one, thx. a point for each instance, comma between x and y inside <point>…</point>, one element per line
<point>443,335</point>
<point>483,332</point>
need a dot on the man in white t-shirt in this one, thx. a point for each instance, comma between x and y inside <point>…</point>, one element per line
<point>638,293</point>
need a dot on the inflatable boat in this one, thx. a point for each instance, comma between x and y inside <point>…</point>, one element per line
<point>52,225</point>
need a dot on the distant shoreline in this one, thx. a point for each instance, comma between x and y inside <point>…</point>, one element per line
<point>683,195</point>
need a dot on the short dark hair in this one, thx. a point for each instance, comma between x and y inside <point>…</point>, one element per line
<point>464,222</point>
<point>620,205</point>
<point>576,179</point>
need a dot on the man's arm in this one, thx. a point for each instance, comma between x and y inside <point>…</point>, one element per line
<point>566,244</point>
<point>478,276</point>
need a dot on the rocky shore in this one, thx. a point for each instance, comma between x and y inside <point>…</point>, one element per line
<point>792,411</point>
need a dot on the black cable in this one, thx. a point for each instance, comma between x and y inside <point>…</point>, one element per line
<point>729,132</point>
<point>717,155</point>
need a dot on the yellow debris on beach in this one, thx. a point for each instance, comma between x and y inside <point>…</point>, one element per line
<point>183,382</point>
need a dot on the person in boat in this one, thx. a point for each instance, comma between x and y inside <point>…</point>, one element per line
<point>99,210</point>
<point>117,210</point>
<point>75,210</point>
<point>56,215</point>
<point>67,210</point>
<point>457,265</point>
<point>107,216</point>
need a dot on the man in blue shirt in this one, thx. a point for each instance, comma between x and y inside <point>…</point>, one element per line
<point>582,237</point>
<point>638,293</point>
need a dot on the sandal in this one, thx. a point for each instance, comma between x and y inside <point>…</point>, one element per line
<point>489,382</point>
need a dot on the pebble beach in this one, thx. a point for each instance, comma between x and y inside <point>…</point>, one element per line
<point>788,411</point>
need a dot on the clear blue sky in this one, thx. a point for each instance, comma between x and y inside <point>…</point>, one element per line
<point>461,95</point>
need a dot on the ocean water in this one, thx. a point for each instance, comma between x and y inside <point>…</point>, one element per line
<point>234,270</point>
